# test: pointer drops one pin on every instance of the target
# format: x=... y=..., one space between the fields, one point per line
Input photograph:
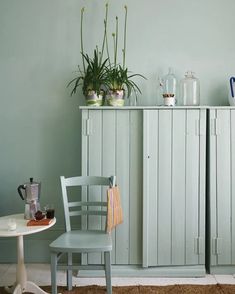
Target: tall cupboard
x=158 y=156
x=221 y=190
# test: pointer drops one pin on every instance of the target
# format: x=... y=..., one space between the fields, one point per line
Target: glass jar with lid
x=190 y=89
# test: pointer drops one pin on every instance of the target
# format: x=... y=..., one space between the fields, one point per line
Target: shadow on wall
x=218 y=94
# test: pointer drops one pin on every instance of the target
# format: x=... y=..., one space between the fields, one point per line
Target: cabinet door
x=222 y=186
x=112 y=145
x=174 y=187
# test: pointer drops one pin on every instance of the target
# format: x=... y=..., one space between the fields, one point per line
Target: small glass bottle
x=133 y=99
x=190 y=89
x=169 y=84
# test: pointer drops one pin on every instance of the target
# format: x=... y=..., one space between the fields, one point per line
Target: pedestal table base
x=22 y=285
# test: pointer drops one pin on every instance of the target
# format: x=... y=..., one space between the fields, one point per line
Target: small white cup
x=11 y=224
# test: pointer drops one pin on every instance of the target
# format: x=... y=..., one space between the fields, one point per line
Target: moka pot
x=30 y=192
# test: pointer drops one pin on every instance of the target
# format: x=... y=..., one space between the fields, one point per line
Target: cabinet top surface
x=154 y=107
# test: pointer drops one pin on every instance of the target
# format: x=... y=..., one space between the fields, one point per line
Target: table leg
x=22 y=285
x=21 y=274
x=33 y=288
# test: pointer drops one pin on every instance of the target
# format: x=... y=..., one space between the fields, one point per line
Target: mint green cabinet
x=158 y=156
x=174 y=164
x=221 y=191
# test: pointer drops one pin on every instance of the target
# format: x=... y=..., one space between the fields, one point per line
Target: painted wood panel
x=122 y=172
x=178 y=186
x=95 y=168
x=150 y=176
x=223 y=187
x=232 y=146
x=192 y=183
x=222 y=190
x=164 y=187
x=136 y=187
x=174 y=187
x=85 y=117
x=202 y=186
x=109 y=157
x=212 y=192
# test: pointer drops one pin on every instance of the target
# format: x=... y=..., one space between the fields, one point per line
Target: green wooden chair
x=81 y=241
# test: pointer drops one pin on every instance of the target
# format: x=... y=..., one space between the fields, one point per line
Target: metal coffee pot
x=30 y=192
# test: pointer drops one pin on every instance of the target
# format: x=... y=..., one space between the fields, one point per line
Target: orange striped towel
x=114 y=209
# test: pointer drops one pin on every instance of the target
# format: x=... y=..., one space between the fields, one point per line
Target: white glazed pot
x=115 y=98
x=94 y=99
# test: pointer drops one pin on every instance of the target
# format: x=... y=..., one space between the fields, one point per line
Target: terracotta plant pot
x=94 y=99
x=115 y=98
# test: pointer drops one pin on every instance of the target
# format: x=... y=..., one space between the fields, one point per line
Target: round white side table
x=22 y=284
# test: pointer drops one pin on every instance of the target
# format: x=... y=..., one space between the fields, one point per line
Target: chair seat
x=82 y=241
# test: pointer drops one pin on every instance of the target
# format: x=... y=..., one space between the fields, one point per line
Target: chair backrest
x=84 y=207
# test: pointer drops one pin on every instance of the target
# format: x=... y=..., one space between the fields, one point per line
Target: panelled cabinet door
x=112 y=145
x=174 y=187
x=222 y=186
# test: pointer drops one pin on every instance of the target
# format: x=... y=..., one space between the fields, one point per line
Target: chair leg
x=107 y=264
x=53 y=273
x=69 y=272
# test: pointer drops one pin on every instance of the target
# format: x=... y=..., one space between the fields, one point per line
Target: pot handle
x=20 y=192
x=232 y=80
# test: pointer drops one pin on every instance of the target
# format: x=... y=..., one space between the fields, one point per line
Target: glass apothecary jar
x=190 y=89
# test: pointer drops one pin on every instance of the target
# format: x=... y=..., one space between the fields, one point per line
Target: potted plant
x=98 y=76
x=120 y=80
x=92 y=77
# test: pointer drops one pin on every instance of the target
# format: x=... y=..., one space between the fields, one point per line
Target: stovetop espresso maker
x=30 y=192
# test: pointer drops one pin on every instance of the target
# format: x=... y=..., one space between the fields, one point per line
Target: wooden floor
x=40 y=274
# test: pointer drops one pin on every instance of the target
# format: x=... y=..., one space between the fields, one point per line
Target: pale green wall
x=39 y=50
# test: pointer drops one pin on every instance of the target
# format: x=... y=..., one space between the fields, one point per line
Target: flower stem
x=116 y=43
x=81 y=33
x=124 y=47
x=105 y=32
x=107 y=50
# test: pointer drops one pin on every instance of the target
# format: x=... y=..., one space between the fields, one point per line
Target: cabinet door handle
x=87 y=127
x=213 y=245
x=216 y=246
x=215 y=127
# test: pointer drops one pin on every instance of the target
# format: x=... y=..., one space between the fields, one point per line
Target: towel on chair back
x=114 y=209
